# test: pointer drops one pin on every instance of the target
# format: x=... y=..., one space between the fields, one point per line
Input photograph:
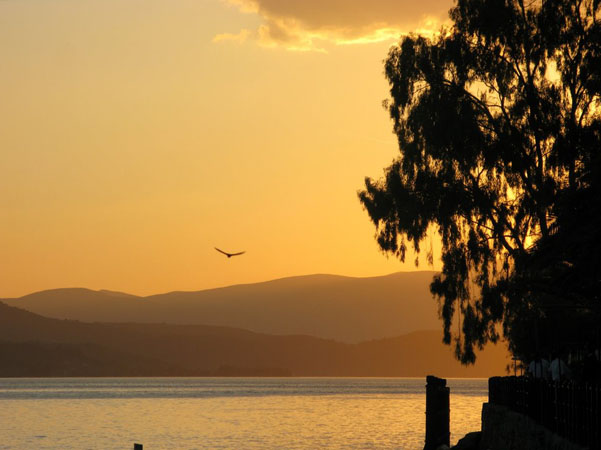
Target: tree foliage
x=499 y=130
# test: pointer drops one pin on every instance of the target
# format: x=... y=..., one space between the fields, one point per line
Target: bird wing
x=236 y=254
x=221 y=251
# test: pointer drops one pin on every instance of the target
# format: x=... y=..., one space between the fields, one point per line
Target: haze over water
x=198 y=413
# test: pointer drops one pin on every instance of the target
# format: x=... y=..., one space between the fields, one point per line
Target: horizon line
x=225 y=286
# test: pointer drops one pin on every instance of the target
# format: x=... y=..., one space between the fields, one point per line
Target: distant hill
x=32 y=345
x=333 y=307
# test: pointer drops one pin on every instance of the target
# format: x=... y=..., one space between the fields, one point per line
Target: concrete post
x=437 y=413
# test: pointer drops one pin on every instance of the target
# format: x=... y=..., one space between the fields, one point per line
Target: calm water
x=229 y=413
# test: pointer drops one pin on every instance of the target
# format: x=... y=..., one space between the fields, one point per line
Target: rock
x=470 y=441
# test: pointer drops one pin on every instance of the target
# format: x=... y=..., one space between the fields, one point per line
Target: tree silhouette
x=499 y=131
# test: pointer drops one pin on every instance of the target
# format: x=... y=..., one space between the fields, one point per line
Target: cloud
x=309 y=24
x=240 y=37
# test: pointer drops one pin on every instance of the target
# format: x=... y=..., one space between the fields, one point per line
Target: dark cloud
x=302 y=24
x=356 y=14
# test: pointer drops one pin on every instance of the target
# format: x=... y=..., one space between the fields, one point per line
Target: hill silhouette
x=32 y=345
x=332 y=307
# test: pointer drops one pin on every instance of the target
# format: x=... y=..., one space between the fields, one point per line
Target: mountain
x=328 y=306
x=32 y=345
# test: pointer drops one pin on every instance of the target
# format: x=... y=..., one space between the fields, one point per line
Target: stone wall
x=503 y=429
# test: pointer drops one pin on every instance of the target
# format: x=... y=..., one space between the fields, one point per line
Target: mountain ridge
x=348 y=309
x=236 y=285
x=33 y=345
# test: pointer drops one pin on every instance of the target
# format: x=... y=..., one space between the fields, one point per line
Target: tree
x=499 y=130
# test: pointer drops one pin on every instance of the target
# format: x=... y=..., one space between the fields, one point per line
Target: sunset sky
x=137 y=135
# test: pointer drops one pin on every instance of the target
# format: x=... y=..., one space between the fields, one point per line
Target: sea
x=226 y=413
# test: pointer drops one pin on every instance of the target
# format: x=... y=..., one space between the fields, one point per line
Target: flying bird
x=229 y=255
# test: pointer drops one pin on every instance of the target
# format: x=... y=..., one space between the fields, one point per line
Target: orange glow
x=132 y=144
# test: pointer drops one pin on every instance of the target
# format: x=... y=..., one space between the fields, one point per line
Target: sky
x=137 y=135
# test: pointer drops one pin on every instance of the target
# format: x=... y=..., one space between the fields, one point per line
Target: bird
x=229 y=255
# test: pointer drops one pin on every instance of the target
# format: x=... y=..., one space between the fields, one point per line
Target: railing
x=572 y=410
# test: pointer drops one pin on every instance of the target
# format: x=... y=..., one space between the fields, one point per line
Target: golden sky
x=136 y=135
